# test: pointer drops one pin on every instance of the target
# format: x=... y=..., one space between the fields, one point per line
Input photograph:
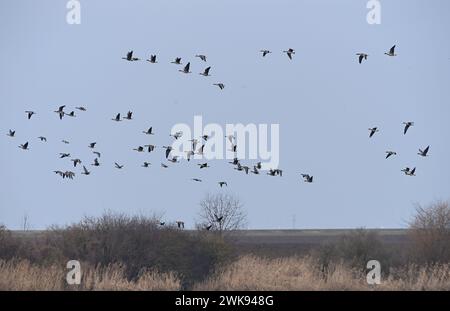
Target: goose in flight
x=163 y=165
x=149 y=131
x=98 y=154
x=150 y=148
x=180 y=224
x=189 y=154
x=205 y=73
x=69 y=174
x=424 y=152
x=24 y=146
x=81 y=108
x=205 y=137
x=117 y=118
x=64 y=155
x=407 y=126
x=390 y=153
x=217 y=218
x=265 y=52
x=222 y=183
x=271 y=172
x=207 y=228
x=177 y=61
x=30 y=114
x=203 y=165
x=130 y=57
x=60 y=111
x=258 y=165
x=245 y=168
x=177 y=134
x=96 y=163
x=220 y=85
x=65 y=142
x=60 y=173
x=92 y=145
x=362 y=56
x=85 y=171
x=139 y=149
x=373 y=130
x=71 y=114
x=307 y=178
x=235 y=161
x=118 y=166
x=75 y=162
x=197 y=179
x=278 y=172
x=162 y=223
x=42 y=138
x=168 y=150
x=152 y=59
x=129 y=116
x=185 y=69
x=146 y=164
x=289 y=53
x=409 y=172
x=11 y=133
x=202 y=57
x=391 y=52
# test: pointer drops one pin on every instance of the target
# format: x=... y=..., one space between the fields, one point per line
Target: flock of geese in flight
x=254 y=169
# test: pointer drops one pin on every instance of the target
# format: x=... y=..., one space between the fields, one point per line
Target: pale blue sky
x=323 y=100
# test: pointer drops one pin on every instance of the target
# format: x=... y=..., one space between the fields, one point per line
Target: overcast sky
x=323 y=101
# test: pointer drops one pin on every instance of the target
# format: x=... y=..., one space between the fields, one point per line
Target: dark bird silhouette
x=391 y=52
x=409 y=172
x=24 y=146
x=390 y=153
x=149 y=131
x=207 y=228
x=81 y=108
x=139 y=149
x=177 y=61
x=223 y=183
x=146 y=164
x=424 y=152
x=307 y=178
x=362 y=56
x=186 y=68
x=129 y=116
x=180 y=224
x=130 y=57
x=218 y=219
x=220 y=85
x=265 y=52
x=98 y=154
x=117 y=118
x=205 y=73
x=373 y=130
x=203 y=165
x=96 y=163
x=60 y=111
x=75 y=162
x=202 y=57
x=30 y=114
x=64 y=155
x=289 y=53
x=197 y=179
x=42 y=138
x=65 y=142
x=163 y=165
x=168 y=150
x=150 y=148
x=407 y=126
x=71 y=114
x=85 y=171
x=11 y=133
x=92 y=145
x=152 y=59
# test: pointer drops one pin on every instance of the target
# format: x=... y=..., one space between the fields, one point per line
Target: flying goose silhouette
x=174 y=159
x=149 y=131
x=30 y=114
x=129 y=116
x=92 y=145
x=150 y=147
x=65 y=142
x=202 y=57
x=81 y=108
x=152 y=59
x=222 y=183
x=24 y=146
x=146 y=164
x=217 y=218
x=64 y=155
x=130 y=57
x=168 y=150
x=180 y=224
x=96 y=163
x=117 y=118
x=207 y=228
x=185 y=69
x=407 y=126
x=409 y=172
x=373 y=130
x=424 y=152
x=139 y=149
x=164 y=166
x=177 y=134
x=391 y=52
x=177 y=61
x=197 y=179
x=307 y=178
x=118 y=166
x=11 y=133
x=265 y=52
x=220 y=85
x=42 y=138
x=205 y=73
x=60 y=111
x=289 y=53
x=203 y=165
x=71 y=114
x=97 y=153
x=75 y=162
x=255 y=170
x=362 y=56
x=390 y=153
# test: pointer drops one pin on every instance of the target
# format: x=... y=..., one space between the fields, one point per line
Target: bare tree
x=430 y=232
x=222 y=212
